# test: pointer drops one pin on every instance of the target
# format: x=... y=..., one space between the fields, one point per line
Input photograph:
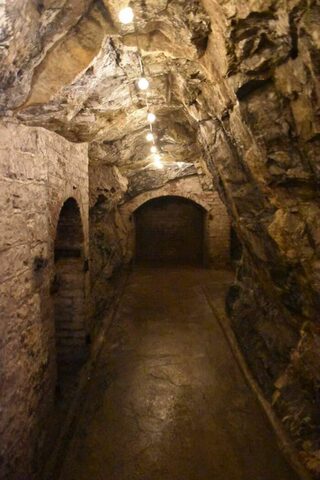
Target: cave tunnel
x=159 y=240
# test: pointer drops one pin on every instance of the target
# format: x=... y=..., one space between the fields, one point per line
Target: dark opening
x=170 y=230
x=69 y=293
x=235 y=246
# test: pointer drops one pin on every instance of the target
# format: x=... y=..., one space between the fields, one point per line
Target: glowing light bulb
x=153 y=149
x=157 y=162
x=150 y=137
x=151 y=117
x=126 y=15
x=143 y=83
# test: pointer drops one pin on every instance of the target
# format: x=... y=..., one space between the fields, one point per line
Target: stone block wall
x=39 y=171
x=169 y=230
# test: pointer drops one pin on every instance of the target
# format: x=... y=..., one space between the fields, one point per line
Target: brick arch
x=70 y=211
x=138 y=201
x=68 y=197
x=217 y=223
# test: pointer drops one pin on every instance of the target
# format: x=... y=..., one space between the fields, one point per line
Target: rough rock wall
x=262 y=147
x=107 y=188
x=39 y=171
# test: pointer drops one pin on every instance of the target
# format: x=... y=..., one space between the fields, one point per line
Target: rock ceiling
x=75 y=67
x=69 y=65
x=234 y=83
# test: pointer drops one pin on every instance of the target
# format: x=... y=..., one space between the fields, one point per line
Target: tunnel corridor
x=159 y=239
x=167 y=400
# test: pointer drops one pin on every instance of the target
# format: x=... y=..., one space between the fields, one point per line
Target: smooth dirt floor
x=167 y=400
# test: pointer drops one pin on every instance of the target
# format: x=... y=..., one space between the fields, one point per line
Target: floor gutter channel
x=284 y=442
x=53 y=467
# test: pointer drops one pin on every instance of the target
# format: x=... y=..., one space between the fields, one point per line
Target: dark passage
x=170 y=230
x=68 y=292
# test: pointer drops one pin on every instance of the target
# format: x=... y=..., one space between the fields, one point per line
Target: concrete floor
x=167 y=400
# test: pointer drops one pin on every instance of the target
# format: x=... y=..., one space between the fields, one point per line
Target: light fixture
x=126 y=15
x=153 y=149
x=143 y=83
x=151 y=117
x=150 y=137
x=157 y=162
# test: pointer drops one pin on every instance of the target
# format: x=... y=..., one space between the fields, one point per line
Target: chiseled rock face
x=152 y=178
x=235 y=85
x=263 y=151
x=106 y=190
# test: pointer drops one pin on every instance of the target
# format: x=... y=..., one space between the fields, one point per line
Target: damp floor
x=167 y=400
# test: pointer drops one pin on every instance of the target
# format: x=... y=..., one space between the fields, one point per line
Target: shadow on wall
x=170 y=230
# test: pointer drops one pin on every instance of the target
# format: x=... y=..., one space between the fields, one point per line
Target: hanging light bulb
x=153 y=149
x=150 y=137
x=151 y=117
x=143 y=83
x=126 y=15
x=157 y=162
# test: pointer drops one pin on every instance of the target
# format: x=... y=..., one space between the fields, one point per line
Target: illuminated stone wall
x=39 y=171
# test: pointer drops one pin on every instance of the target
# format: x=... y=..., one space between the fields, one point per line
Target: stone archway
x=170 y=229
x=69 y=292
x=217 y=223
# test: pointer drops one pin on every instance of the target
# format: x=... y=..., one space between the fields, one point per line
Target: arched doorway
x=170 y=230
x=69 y=292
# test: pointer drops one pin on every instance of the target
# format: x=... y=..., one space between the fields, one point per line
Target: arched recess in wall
x=170 y=230
x=69 y=292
